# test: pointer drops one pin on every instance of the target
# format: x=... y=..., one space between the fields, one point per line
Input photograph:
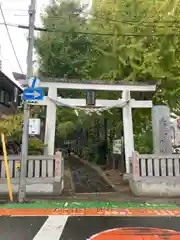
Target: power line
x=9 y=24
x=104 y=18
x=41 y=29
x=22 y=26
x=10 y=39
x=15 y=10
x=119 y=21
x=113 y=20
x=135 y=23
x=129 y=22
x=98 y=34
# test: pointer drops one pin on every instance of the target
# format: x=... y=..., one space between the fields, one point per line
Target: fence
x=152 y=165
x=155 y=175
x=40 y=169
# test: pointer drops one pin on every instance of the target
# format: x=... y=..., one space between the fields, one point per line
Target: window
x=2 y=96
x=15 y=94
x=6 y=98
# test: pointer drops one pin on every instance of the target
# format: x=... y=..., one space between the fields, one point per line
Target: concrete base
x=127 y=176
x=34 y=186
x=141 y=188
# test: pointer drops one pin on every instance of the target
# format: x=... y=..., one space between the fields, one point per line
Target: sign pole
x=24 y=150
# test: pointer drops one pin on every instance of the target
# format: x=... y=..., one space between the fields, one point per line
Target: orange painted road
x=88 y=212
x=64 y=227
x=138 y=233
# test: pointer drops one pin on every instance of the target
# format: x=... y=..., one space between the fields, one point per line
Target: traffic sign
x=34 y=82
x=33 y=94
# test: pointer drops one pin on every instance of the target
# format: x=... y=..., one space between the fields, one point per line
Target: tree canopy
x=125 y=40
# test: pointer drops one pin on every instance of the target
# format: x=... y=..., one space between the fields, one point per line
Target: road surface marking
x=52 y=228
x=136 y=233
x=87 y=212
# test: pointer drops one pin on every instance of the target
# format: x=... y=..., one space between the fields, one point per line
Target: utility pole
x=24 y=149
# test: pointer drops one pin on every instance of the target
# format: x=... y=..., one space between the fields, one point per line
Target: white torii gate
x=52 y=101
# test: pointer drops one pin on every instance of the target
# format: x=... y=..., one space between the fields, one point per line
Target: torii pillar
x=128 y=129
x=50 y=128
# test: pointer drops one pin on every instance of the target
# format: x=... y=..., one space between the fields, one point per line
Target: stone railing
x=43 y=173
x=155 y=175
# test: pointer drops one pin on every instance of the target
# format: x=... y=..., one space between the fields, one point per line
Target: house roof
x=19 y=76
x=9 y=81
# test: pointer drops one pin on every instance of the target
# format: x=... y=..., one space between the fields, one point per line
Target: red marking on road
x=138 y=233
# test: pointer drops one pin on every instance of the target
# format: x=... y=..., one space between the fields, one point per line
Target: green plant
x=36 y=146
x=11 y=125
x=89 y=152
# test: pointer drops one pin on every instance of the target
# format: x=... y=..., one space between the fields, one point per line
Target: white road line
x=52 y=228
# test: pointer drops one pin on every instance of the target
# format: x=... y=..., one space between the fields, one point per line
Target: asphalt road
x=20 y=228
x=86 y=179
x=87 y=228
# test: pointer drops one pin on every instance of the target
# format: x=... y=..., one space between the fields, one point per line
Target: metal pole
x=24 y=150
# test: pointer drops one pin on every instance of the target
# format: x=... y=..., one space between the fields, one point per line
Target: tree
x=136 y=54
x=66 y=50
x=11 y=125
x=119 y=40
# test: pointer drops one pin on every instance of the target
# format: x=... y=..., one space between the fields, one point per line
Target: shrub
x=36 y=146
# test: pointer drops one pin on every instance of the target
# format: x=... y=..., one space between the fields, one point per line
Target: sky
x=16 y=12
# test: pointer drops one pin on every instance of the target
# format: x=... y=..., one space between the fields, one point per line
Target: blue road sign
x=33 y=83
x=33 y=93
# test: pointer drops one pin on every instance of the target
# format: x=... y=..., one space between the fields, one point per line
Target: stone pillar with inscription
x=162 y=143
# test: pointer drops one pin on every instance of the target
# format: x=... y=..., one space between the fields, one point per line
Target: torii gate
x=127 y=103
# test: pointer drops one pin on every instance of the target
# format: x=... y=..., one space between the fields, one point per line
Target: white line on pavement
x=52 y=228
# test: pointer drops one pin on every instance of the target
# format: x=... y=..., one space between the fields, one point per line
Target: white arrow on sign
x=30 y=81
